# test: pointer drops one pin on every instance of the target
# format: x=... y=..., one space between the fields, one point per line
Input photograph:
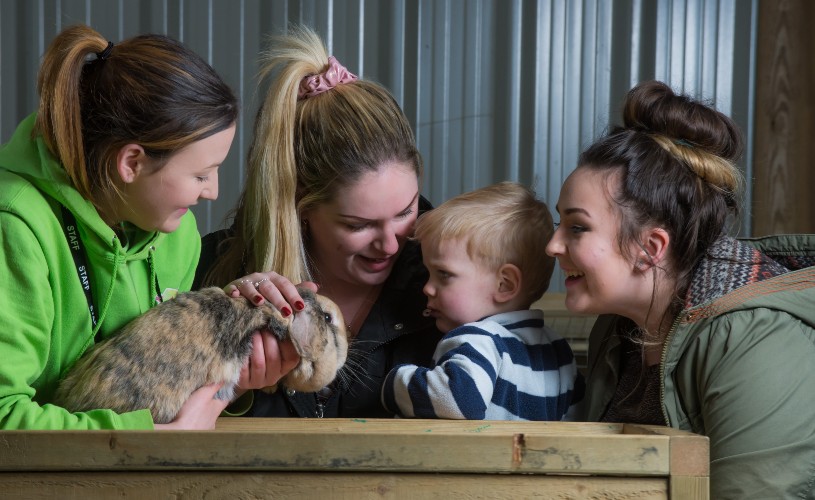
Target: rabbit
x=201 y=337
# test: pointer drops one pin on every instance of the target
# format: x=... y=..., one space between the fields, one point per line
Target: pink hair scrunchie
x=317 y=84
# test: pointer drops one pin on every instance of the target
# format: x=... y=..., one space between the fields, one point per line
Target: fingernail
x=299 y=305
x=259 y=299
x=285 y=312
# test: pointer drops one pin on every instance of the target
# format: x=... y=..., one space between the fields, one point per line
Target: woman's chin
x=578 y=303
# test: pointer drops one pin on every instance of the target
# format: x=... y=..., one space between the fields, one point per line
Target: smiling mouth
x=573 y=274
x=376 y=259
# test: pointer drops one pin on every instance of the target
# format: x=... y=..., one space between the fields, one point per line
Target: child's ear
x=130 y=161
x=653 y=250
x=509 y=283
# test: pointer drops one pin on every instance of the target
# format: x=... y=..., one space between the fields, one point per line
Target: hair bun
x=653 y=107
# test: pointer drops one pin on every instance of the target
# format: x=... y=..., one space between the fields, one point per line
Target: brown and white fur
x=157 y=360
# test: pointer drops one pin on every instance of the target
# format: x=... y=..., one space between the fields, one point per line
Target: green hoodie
x=46 y=324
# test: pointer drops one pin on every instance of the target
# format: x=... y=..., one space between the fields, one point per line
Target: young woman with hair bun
x=697 y=330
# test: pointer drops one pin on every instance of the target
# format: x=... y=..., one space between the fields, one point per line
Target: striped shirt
x=505 y=367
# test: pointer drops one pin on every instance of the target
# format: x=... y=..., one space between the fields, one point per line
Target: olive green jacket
x=738 y=366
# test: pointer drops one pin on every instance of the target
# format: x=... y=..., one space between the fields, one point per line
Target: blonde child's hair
x=500 y=224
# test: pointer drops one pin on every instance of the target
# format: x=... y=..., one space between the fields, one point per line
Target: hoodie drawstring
x=117 y=259
x=155 y=290
x=103 y=310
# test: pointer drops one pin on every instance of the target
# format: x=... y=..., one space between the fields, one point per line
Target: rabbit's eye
x=327 y=317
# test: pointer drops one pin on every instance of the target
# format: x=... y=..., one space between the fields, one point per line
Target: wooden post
x=785 y=119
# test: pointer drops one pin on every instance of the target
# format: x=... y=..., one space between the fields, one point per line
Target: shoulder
x=763 y=347
x=768 y=328
x=794 y=251
x=785 y=298
x=32 y=211
x=18 y=195
x=212 y=241
x=512 y=323
x=212 y=247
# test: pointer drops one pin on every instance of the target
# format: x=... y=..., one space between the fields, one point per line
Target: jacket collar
x=729 y=264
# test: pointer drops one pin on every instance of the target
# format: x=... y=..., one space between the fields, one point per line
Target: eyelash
x=443 y=276
x=575 y=228
x=202 y=179
x=357 y=228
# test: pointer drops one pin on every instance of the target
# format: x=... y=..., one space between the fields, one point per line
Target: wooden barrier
x=359 y=458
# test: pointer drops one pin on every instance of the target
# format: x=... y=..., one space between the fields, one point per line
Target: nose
x=555 y=246
x=210 y=191
x=428 y=289
x=387 y=242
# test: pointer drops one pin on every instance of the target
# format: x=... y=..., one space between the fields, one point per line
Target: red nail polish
x=285 y=312
x=259 y=299
x=299 y=305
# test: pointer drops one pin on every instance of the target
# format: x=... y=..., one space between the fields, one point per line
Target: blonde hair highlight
x=713 y=169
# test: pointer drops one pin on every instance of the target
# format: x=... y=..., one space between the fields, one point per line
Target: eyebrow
x=569 y=211
x=412 y=201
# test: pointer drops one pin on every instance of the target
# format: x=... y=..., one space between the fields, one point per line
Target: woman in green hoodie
x=698 y=330
x=95 y=228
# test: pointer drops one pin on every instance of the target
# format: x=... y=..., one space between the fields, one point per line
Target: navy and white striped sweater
x=505 y=367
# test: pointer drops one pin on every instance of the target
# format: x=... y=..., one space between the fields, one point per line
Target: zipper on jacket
x=662 y=367
x=322 y=396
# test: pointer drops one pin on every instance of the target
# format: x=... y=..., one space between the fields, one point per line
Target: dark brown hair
x=675 y=157
x=149 y=90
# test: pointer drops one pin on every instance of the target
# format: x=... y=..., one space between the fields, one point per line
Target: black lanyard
x=81 y=261
x=80 y=258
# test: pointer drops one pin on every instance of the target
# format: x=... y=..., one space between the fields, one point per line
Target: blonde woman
x=332 y=194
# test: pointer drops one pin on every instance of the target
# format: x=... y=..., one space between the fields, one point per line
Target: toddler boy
x=485 y=251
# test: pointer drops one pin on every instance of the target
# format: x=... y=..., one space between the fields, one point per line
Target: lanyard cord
x=81 y=262
x=80 y=259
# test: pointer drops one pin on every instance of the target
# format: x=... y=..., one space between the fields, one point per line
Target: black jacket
x=394 y=332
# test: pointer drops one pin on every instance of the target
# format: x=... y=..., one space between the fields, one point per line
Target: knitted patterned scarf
x=728 y=265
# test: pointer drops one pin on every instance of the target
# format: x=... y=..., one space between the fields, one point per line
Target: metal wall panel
x=495 y=89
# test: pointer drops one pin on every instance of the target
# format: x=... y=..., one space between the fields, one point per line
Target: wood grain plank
x=784 y=121
x=352 y=486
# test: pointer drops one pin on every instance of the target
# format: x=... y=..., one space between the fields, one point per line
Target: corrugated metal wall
x=495 y=89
